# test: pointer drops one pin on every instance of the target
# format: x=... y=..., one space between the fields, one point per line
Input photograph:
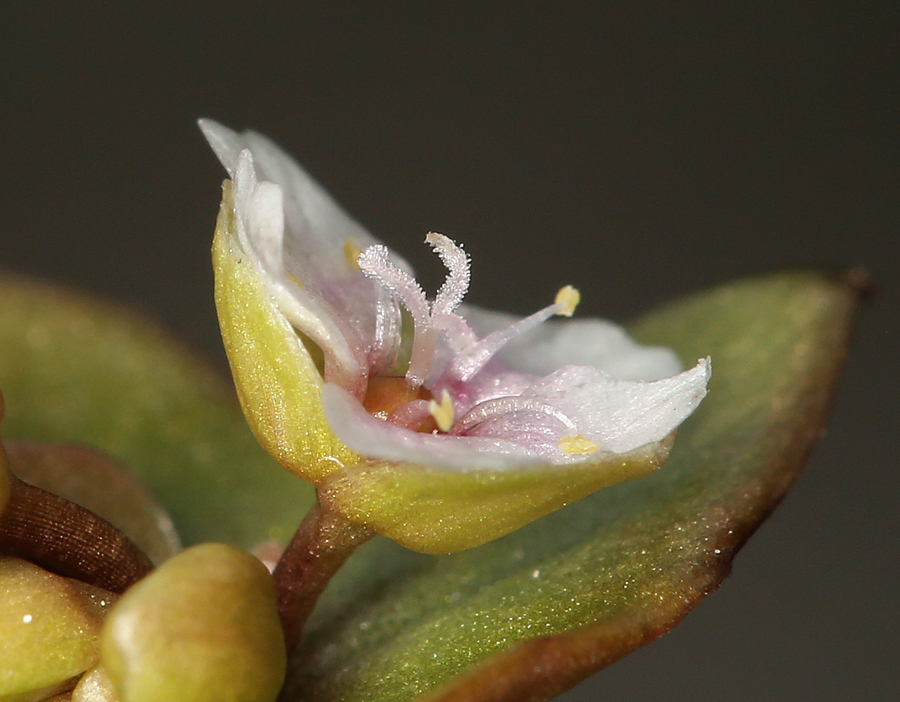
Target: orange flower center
x=384 y=394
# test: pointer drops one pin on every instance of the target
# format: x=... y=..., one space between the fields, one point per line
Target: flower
x=433 y=422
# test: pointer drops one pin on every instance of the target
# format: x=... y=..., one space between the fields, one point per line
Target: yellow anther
x=443 y=412
x=351 y=253
x=568 y=297
x=577 y=445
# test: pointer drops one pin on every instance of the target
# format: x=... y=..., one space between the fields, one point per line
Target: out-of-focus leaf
x=76 y=370
x=101 y=485
x=526 y=617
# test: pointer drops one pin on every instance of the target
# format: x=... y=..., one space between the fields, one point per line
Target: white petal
x=577 y=342
x=619 y=415
x=317 y=232
x=376 y=438
x=265 y=217
x=622 y=415
x=310 y=212
x=225 y=143
x=259 y=220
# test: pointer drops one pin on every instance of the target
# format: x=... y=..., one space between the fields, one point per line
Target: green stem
x=323 y=542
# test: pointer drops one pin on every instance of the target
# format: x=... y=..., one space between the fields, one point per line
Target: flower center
x=386 y=395
x=404 y=401
x=429 y=318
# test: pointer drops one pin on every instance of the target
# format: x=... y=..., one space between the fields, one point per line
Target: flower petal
x=578 y=342
x=622 y=415
x=618 y=415
x=309 y=209
x=313 y=273
x=377 y=438
x=259 y=230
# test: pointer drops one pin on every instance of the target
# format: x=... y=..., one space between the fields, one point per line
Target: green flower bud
x=49 y=630
x=202 y=627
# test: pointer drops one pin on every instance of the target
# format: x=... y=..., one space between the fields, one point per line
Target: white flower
x=436 y=385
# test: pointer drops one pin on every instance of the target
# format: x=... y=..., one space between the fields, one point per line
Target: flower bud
x=202 y=627
x=49 y=629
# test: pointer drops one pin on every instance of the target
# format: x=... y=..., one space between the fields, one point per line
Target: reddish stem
x=323 y=542
x=68 y=540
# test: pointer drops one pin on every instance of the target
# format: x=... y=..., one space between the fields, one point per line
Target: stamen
x=567 y=298
x=577 y=445
x=467 y=364
x=506 y=405
x=386 y=341
x=351 y=253
x=443 y=413
x=456 y=283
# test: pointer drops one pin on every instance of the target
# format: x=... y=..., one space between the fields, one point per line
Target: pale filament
x=411 y=414
x=507 y=405
x=386 y=342
x=465 y=365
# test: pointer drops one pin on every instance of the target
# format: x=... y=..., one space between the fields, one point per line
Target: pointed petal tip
x=224 y=142
x=706 y=365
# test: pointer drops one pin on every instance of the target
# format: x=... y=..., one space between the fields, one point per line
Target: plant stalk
x=322 y=543
x=66 y=539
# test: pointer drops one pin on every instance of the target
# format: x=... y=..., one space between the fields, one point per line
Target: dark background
x=637 y=151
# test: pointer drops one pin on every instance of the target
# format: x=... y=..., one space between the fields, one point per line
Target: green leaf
x=529 y=615
x=76 y=370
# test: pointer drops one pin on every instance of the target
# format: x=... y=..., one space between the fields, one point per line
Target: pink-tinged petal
x=259 y=229
x=577 y=342
x=619 y=415
x=315 y=264
x=376 y=438
x=515 y=432
x=318 y=226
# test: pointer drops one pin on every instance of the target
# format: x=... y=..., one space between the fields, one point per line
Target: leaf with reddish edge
x=530 y=615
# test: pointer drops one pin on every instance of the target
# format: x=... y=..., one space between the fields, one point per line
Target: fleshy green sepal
x=278 y=383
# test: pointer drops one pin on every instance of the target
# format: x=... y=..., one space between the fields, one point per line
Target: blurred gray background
x=638 y=151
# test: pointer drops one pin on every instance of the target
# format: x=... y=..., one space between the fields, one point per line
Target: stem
x=68 y=540
x=323 y=542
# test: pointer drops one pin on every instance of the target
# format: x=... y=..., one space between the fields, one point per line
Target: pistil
x=412 y=407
